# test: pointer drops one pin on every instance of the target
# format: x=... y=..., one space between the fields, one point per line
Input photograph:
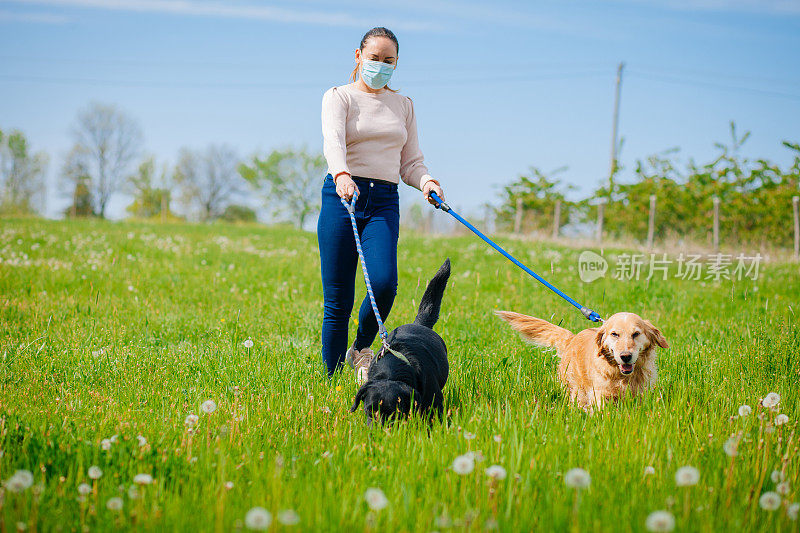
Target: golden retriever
x=598 y=364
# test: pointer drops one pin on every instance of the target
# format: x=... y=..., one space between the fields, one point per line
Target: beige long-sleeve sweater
x=372 y=135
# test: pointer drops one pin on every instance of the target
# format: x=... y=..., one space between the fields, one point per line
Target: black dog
x=395 y=385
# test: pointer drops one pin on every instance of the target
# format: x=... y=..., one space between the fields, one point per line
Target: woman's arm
x=334 y=141
x=412 y=167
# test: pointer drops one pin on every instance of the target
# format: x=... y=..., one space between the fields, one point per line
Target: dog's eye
x=635 y=334
x=614 y=334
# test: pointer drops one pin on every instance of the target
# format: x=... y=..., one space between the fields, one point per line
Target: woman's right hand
x=346 y=187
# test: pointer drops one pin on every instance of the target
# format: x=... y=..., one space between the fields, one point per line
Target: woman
x=370 y=143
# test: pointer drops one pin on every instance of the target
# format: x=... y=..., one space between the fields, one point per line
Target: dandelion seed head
x=105 y=444
x=84 y=489
x=191 y=420
x=21 y=480
x=777 y=476
x=288 y=517
x=114 y=504
x=781 y=419
x=376 y=499
x=95 y=472
x=464 y=464
x=745 y=410
x=228 y=485
x=468 y=435
x=133 y=492
x=496 y=472
x=142 y=479
x=792 y=510
x=731 y=447
x=248 y=343
x=577 y=478
x=660 y=521
x=257 y=519
x=498 y=439
x=142 y=441
x=649 y=471
x=782 y=488
x=771 y=400
x=769 y=501
x=208 y=407
x=686 y=476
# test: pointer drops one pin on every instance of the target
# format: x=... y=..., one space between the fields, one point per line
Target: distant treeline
x=755 y=198
x=205 y=184
x=215 y=183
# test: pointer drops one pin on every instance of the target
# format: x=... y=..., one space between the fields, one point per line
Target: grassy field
x=112 y=334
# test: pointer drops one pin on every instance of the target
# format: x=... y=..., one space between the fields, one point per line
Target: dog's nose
x=626 y=357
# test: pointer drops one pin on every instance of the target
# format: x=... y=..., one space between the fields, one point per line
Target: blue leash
x=588 y=313
x=351 y=210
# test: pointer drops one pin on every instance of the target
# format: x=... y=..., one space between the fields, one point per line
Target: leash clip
x=440 y=204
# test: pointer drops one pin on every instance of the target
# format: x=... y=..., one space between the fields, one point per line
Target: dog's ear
x=359 y=396
x=598 y=339
x=654 y=335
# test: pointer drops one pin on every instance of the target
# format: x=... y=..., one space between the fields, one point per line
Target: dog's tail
x=539 y=332
x=431 y=302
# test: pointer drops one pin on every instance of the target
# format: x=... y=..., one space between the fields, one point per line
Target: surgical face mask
x=376 y=74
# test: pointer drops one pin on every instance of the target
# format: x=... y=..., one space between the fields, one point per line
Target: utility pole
x=614 y=128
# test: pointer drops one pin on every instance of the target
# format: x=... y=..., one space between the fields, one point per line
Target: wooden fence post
x=716 y=223
x=518 y=217
x=651 y=224
x=600 y=209
x=796 y=209
x=556 y=219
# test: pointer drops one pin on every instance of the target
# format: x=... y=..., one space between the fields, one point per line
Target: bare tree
x=107 y=141
x=208 y=179
x=22 y=183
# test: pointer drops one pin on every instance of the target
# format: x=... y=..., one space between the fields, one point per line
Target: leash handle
x=439 y=202
x=588 y=313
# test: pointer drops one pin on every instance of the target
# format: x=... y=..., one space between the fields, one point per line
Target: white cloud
x=772 y=7
x=235 y=10
x=41 y=18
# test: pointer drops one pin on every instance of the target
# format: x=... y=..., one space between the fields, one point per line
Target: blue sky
x=497 y=86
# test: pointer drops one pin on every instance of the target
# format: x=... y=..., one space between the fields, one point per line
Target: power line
x=262 y=85
x=712 y=85
x=716 y=74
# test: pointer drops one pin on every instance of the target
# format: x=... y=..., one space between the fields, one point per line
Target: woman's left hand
x=432 y=186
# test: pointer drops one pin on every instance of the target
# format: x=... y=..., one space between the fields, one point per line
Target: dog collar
x=397 y=354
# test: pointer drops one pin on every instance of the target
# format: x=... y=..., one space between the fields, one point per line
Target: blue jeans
x=378 y=220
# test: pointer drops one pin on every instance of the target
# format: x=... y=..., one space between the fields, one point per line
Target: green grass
x=126 y=328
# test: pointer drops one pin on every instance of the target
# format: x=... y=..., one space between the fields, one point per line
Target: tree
x=539 y=193
x=208 y=179
x=151 y=193
x=76 y=176
x=106 y=143
x=22 y=182
x=287 y=180
x=238 y=213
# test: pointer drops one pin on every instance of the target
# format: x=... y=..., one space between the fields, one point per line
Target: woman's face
x=378 y=49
